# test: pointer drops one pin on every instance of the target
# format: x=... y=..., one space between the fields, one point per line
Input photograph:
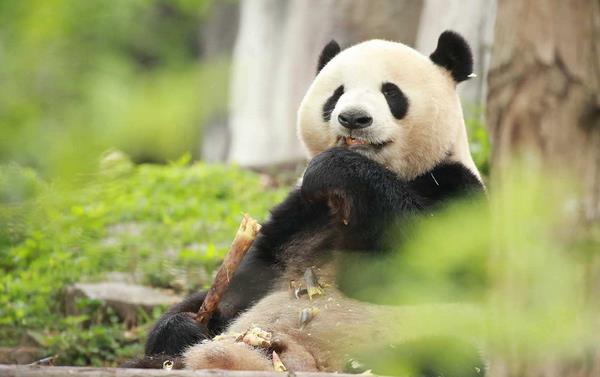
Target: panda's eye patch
x=397 y=101
x=331 y=102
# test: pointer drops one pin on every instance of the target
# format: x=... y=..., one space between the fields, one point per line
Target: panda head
x=389 y=102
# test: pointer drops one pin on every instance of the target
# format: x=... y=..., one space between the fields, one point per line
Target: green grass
x=167 y=226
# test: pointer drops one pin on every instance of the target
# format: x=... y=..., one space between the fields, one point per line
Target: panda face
x=364 y=117
x=388 y=102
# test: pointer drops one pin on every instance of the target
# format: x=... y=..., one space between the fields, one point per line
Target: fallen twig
x=46 y=361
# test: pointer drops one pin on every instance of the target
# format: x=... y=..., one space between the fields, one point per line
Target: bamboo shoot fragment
x=277 y=363
x=244 y=238
x=306 y=315
x=256 y=337
x=313 y=287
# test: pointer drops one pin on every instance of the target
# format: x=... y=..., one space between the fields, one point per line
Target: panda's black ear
x=454 y=54
x=330 y=50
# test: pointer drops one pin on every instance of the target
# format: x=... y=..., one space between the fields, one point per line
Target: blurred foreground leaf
x=520 y=259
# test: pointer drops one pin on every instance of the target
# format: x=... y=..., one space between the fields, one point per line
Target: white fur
x=432 y=131
x=341 y=327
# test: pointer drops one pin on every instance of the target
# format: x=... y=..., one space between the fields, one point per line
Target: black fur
x=346 y=199
x=366 y=198
x=177 y=329
x=264 y=263
x=445 y=182
x=454 y=54
x=397 y=101
x=331 y=102
x=330 y=50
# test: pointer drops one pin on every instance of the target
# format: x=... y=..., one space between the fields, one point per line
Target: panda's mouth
x=358 y=143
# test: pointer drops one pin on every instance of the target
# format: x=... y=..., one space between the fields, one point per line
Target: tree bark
x=544 y=105
x=544 y=87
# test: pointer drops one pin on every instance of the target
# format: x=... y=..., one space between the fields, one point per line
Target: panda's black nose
x=354 y=119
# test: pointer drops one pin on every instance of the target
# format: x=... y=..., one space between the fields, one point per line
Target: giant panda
x=384 y=130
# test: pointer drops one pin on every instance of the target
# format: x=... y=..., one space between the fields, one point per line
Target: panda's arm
x=176 y=329
x=365 y=197
x=368 y=199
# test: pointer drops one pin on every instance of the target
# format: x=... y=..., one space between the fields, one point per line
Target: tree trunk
x=275 y=59
x=218 y=33
x=544 y=87
x=544 y=104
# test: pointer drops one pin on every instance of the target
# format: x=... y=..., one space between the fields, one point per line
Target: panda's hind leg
x=227 y=354
x=294 y=355
x=230 y=354
x=177 y=329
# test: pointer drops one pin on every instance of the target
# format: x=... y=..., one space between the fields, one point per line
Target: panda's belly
x=340 y=329
x=338 y=325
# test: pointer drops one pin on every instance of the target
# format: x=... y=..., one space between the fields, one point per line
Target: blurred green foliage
x=167 y=226
x=79 y=77
x=512 y=275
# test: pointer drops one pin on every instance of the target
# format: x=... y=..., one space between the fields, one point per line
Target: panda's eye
x=396 y=100
x=390 y=90
x=329 y=105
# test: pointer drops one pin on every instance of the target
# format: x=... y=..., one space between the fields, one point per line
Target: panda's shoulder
x=447 y=180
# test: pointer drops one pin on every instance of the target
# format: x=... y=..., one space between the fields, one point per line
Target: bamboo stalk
x=245 y=236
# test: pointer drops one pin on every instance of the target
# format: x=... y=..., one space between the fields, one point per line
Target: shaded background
x=221 y=80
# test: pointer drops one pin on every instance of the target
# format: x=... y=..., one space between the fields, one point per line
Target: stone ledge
x=38 y=371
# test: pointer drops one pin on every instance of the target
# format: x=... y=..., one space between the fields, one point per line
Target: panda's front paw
x=327 y=174
x=173 y=333
x=333 y=176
